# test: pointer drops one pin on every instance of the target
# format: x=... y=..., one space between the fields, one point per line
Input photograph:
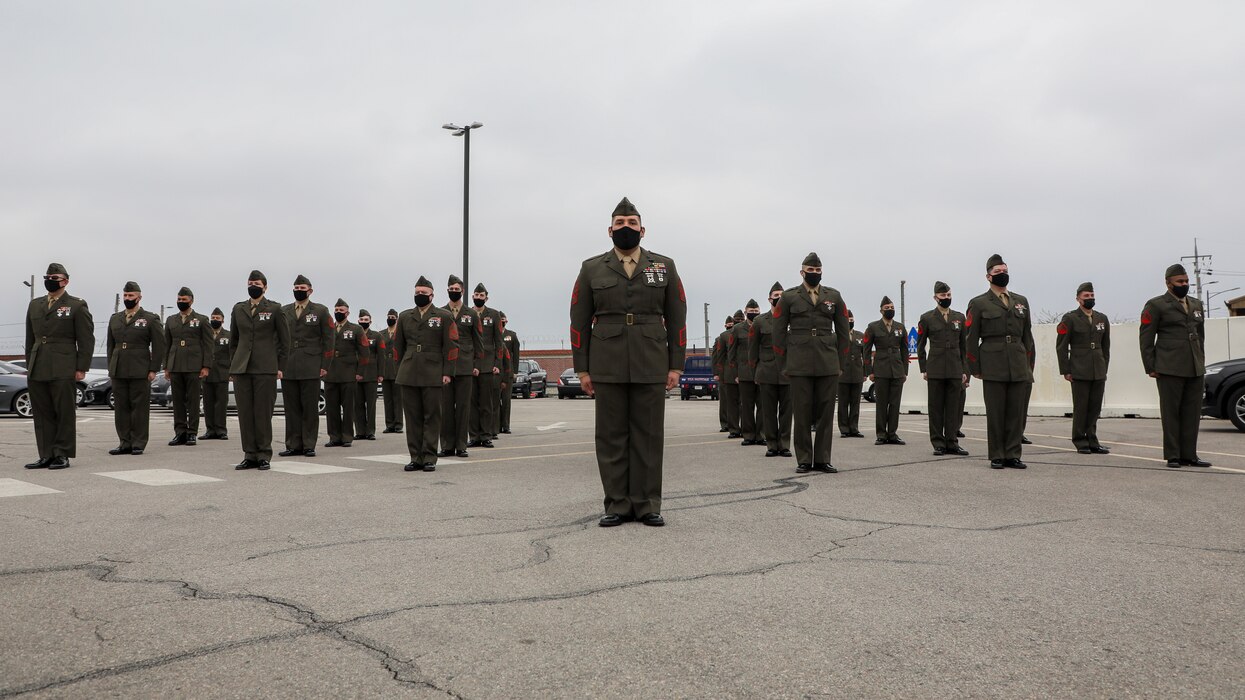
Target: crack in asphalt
x=933 y=526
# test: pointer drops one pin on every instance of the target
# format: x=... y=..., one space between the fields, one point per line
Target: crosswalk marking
x=13 y=487
x=307 y=468
x=158 y=477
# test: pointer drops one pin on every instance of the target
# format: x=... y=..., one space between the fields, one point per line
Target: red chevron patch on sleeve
x=683 y=337
x=920 y=329
x=779 y=351
x=1062 y=329
x=1146 y=319
x=453 y=355
x=778 y=310
x=968 y=319
x=453 y=331
x=574 y=337
x=682 y=296
x=575 y=294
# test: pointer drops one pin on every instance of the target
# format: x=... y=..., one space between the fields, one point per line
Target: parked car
x=697 y=379
x=19 y=363
x=166 y=395
x=14 y=393
x=530 y=380
x=1225 y=391
x=98 y=392
x=160 y=391
x=569 y=386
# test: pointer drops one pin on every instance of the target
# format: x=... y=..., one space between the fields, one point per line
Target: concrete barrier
x=1130 y=392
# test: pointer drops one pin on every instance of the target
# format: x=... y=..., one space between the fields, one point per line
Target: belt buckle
x=419 y=348
x=630 y=319
x=124 y=346
x=1007 y=339
x=183 y=343
x=1093 y=346
x=812 y=331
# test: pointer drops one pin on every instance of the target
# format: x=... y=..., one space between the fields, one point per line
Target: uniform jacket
x=1173 y=342
x=370 y=369
x=768 y=366
x=886 y=351
x=737 y=359
x=628 y=330
x=854 y=367
x=947 y=342
x=470 y=337
x=719 y=354
x=1083 y=345
x=351 y=349
x=814 y=337
x=135 y=349
x=60 y=339
x=427 y=346
x=189 y=342
x=222 y=355
x=388 y=354
x=489 y=348
x=1000 y=339
x=260 y=343
x=511 y=341
x=311 y=341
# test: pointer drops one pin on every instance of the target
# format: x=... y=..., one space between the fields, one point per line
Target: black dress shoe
x=652 y=520
x=473 y=443
x=39 y=464
x=612 y=520
x=207 y=436
x=192 y=440
x=1025 y=441
x=880 y=441
x=309 y=453
x=289 y=453
x=1084 y=451
x=446 y=453
x=136 y=451
x=747 y=443
x=486 y=443
x=771 y=453
x=263 y=465
x=397 y=430
x=803 y=468
x=856 y=434
x=460 y=453
x=388 y=430
x=360 y=436
x=895 y=441
x=784 y=453
x=179 y=440
x=58 y=463
x=959 y=433
x=957 y=451
x=724 y=430
x=411 y=466
x=346 y=444
x=1014 y=464
x=1195 y=462
x=430 y=467
x=222 y=436
x=996 y=464
x=120 y=451
x=734 y=435
x=369 y=436
x=246 y=464
x=938 y=452
x=1173 y=464
x=825 y=467
x=505 y=431
x=333 y=443
x=1100 y=450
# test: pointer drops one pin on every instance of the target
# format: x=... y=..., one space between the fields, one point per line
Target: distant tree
x=1045 y=316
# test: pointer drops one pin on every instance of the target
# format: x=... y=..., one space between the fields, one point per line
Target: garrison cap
x=56 y=269
x=302 y=279
x=885 y=301
x=625 y=208
x=503 y=316
x=752 y=304
x=454 y=280
x=217 y=312
x=480 y=288
x=341 y=302
x=185 y=292
x=730 y=319
x=995 y=259
x=739 y=315
x=423 y=282
x=257 y=275
x=1085 y=287
x=131 y=286
x=392 y=312
x=364 y=312
x=776 y=288
x=1172 y=271
x=812 y=260
x=940 y=287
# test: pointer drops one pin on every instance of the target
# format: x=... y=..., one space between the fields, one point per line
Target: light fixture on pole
x=465 y=132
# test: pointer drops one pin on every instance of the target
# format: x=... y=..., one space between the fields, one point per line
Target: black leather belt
x=629 y=319
x=811 y=331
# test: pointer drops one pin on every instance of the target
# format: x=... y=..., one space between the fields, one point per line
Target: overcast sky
x=188 y=142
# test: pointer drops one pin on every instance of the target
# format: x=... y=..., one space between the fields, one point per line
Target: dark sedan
x=14 y=395
x=569 y=386
x=1225 y=391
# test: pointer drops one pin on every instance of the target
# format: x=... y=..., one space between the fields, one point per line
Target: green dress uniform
x=60 y=338
x=628 y=332
x=188 y=337
x=259 y=338
x=365 y=392
x=1001 y=350
x=728 y=390
x=941 y=345
x=885 y=352
x=389 y=374
x=718 y=358
x=810 y=329
x=135 y=348
x=745 y=375
x=1083 y=346
x=312 y=339
x=456 y=411
x=216 y=386
x=427 y=347
x=485 y=395
x=350 y=350
x=773 y=385
x=851 y=386
x=1173 y=346
x=510 y=340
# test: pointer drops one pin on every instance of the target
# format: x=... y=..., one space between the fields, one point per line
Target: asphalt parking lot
x=904 y=575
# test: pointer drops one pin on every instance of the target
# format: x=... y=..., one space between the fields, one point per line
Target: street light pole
x=706 y=328
x=465 y=132
x=31 y=284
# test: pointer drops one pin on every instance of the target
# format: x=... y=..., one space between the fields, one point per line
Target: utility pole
x=706 y=328
x=1197 y=272
x=116 y=303
x=903 y=318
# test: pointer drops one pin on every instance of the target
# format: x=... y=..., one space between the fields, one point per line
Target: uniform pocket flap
x=607 y=331
x=604 y=282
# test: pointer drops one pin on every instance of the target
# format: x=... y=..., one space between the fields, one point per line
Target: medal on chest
x=655 y=272
x=347 y=335
x=194 y=323
x=1020 y=309
x=263 y=316
x=140 y=323
x=62 y=312
x=435 y=322
x=311 y=318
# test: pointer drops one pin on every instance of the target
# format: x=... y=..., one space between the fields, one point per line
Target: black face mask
x=455 y=296
x=1000 y=280
x=216 y=323
x=478 y=302
x=183 y=306
x=752 y=315
x=365 y=326
x=773 y=302
x=851 y=324
x=130 y=303
x=730 y=326
x=422 y=300
x=1180 y=290
x=392 y=320
x=51 y=285
x=812 y=279
x=255 y=292
x=944 y=303
x=301 y=294
x=625 y=238
x=339 y=316
x=888 y=314
x=1089 y=303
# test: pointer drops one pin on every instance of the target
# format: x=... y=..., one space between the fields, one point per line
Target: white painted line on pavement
x=13 y=487
x=158 y=477
x=308 y=468
x=403 y=459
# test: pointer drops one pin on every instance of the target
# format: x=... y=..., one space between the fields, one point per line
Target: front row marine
x=885 y=353
x=188 y=340
x=1083 y=347
x=259 y=337
x=811 y=331
x=1173 y=351
x=944 y=368
x=426 y=345
x=311 y=353
x=216 y=383
x=135 y=352
x=350 y=349
x=628 y=341
x=852 y=383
